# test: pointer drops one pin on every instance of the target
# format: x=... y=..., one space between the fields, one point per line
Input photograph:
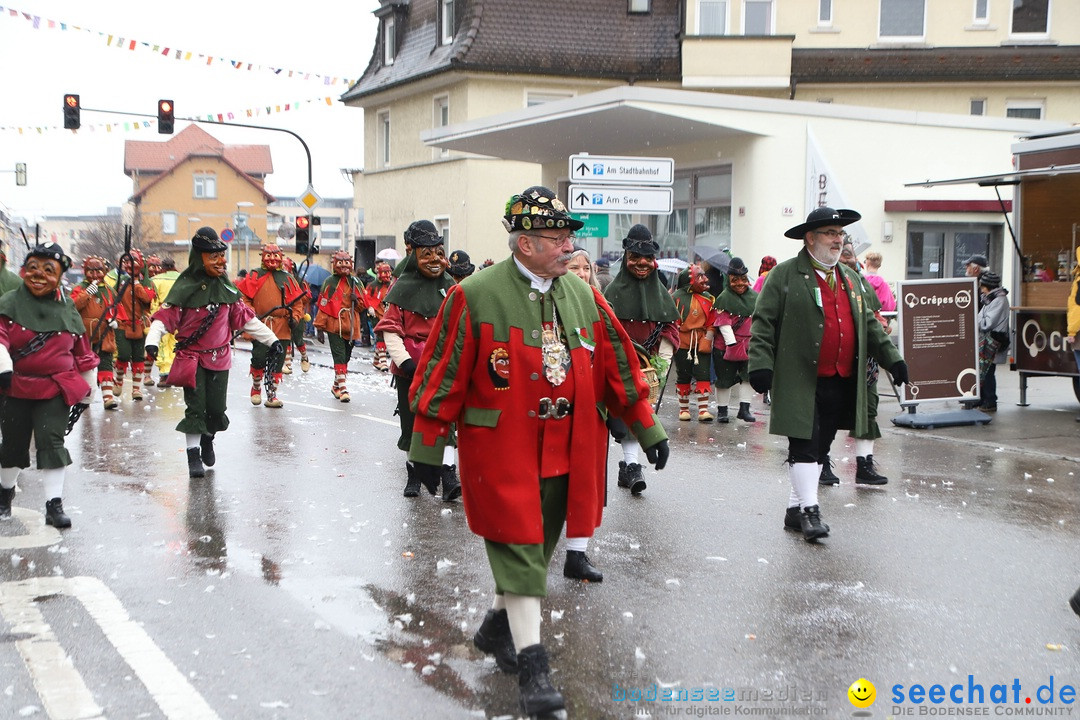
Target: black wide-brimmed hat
x=639 y=240
x=206 y=240
x=537 y=208
x=51 y=250
x=823 y=217
x=737 y=267
x=423 y=233
x=460 y=264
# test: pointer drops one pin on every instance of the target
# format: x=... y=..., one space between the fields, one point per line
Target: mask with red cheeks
x=94 y=270
x=343 y=264
x=384 y=273
x=699 y=281
x=214 y=263
x=271 y=257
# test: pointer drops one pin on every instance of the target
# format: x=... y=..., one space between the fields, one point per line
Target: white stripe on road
x=59 y=684
x=384 y=421
x=315 y=407
x=39 y=534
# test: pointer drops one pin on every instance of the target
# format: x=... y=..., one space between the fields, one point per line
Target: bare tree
x=105 y=237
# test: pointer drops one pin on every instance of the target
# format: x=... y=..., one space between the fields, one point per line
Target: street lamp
x=241 y=223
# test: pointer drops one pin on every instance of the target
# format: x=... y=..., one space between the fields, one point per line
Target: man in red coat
x=521 y=356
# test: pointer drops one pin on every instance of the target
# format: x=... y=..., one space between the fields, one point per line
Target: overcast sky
x=82 y=173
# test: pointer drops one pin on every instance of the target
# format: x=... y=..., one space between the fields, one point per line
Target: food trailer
x=1045 y=183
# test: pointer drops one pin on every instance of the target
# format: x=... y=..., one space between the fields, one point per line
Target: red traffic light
x=71 y=112
x=165 y=117
x=302 y=222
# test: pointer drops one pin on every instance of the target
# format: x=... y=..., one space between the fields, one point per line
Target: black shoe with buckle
x=206 y=445
x=54 y=514
x=494 y=638
x=579 y=567
x=828 y=477
x=630 y=476
x=536 y=693
x=812 y=527
x=867 y=473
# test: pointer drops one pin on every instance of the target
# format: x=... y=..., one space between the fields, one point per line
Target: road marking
x=384 y=421
x=316 y=407
x=60 y=686
x=39 y=535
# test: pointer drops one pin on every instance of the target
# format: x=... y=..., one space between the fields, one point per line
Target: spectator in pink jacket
x=872 y=263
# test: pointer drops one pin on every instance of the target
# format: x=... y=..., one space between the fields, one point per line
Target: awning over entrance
x=1007 y=178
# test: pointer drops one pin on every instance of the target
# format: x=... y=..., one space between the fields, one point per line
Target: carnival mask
x=214 y=263
x=431 y=261
x=41 y=276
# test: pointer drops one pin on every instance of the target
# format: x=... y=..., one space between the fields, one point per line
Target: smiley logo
x=862 y=693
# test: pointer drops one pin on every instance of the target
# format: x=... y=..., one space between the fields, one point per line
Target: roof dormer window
x=389 y=27
x=446 y=22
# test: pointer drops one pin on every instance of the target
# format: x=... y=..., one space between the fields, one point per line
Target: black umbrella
x=715 y=257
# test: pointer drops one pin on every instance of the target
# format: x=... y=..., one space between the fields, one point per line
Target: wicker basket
x=651 y=376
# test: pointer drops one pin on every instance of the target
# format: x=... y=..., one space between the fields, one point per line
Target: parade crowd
x=544 y=351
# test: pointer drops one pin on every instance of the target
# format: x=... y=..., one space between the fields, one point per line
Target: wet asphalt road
x=294 y=581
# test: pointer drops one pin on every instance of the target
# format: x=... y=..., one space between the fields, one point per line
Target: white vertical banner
x=823 y=189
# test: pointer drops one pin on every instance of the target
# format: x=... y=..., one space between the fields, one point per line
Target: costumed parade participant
x=340 y=306
x=297 y=337
x=153 y=269
x=375 y=300
x=46 y=371
x=734 y=309
x=96 y=303
x=693 y=358
x=8 y=280
x=203 y=310
x=646 y=310
x=163 y=283
x=460 y=265
x=800 y=346
x=411 y=306
x=522 y=357
x=278 y=300
x=133 y=317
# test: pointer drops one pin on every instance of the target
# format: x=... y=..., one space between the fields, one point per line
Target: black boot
x=812 y=529
x=412 y=485
x=537 y=694
x=194 y=463
x=578 y=567
x=451 y=486
x=828 y=477
x=744 y=413
x=6 y=496
x=721 y=414
x=793 y=519
x=494 y=638
x=867 y=474
x=1074 y=602
x=630 y=476
x=206 y=444
x=54 y=514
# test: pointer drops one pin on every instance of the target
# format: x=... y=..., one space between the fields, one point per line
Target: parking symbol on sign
x=598 y=198
x=598 y=169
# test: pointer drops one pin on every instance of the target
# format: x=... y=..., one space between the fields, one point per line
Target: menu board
x=939 y=339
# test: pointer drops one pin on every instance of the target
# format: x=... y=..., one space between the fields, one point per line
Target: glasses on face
x=556 y=239
x=833 y=234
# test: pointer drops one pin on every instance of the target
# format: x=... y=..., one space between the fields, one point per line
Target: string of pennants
x=132 y=125
x=114 y=40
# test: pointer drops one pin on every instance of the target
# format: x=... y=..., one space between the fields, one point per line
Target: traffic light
x=20 y=173
x=71 y=112
x=316 y=222
x=165 y=117
x=303 y=234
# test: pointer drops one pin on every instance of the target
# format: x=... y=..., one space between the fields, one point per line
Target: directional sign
x=621 y=170
x=620 y=199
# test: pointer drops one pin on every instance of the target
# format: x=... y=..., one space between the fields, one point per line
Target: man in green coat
x=811 y=340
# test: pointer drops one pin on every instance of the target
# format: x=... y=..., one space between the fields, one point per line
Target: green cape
x=741 y=305
x=45 y=314
x=194 y=288
x=417 y=293
x=645 y=300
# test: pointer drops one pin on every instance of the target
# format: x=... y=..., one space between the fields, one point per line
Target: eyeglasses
x=830 y=233
x=556 y=239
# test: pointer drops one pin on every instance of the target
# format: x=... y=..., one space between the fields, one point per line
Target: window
x=701 y=212
x=1031 y=17
x=757 y=17
x=902 y=19
x=441 y=118
x=446 y=21
x=978 y=106
x=168 y=223
x=205 y=186
x=982 y=12
x=824 y=13
x=534 y=98
x=639 y=6
x=382 y=138
x=1027 y=109
x=442 y=223
x=389 y=40
x=712 y=17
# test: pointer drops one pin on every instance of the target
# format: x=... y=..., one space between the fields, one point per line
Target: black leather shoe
x=578 y=567
x=744 y=413
x=194 y=463
x=54 y=514
x=451 y=486
x=812 y=529
x=793 y=520
x=412 y=485
x=828 y=477
x=206 y=444
x=721 y=414
x=6 y=496
x=494 y=638
x=536 y=693
x=630 y=476
x=1074 y=602
x=867 y=473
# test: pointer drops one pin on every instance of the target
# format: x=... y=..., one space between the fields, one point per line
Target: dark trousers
x=686 y=370
x=341 y=349
x=131 y=350
x=46 y=421
x=988 y=386
x=834 y=407
x=259 y=353
x=405 y=413
x=205 y=411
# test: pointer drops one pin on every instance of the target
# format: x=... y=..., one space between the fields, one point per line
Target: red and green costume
x=341 y=304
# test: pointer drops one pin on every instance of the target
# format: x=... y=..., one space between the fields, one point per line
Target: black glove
x=151 y=352
x=276 y=347
x=899 y=372
x=617 y=428
x=408 y=368
x=5 y=380
x=761 y=380
x=292 y=322
x=428 y=475
x=658 y=454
